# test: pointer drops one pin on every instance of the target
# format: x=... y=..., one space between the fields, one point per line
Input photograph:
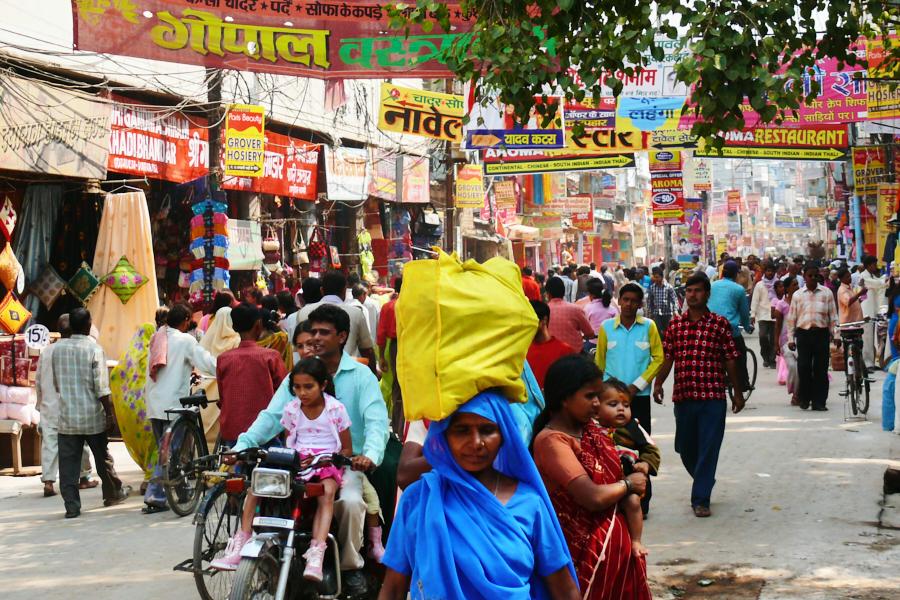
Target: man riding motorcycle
x=357 y=389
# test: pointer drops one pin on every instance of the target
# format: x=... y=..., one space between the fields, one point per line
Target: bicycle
x=184 y=453
x=751 y=375
x=857 y=381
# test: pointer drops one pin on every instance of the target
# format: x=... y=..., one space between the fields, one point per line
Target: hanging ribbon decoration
x=209 y=246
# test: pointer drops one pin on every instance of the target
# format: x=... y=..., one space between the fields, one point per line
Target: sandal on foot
x=152 y=509
x=87 y=484
x=702 y=512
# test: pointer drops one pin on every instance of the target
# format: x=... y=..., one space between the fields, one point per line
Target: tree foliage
x=520 y=49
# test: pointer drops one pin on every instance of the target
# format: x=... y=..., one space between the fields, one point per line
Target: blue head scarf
x=467 y=539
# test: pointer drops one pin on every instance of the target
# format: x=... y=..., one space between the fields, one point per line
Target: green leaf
x=566 y=5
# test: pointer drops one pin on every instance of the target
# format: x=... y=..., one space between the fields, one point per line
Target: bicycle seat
x=196 y=400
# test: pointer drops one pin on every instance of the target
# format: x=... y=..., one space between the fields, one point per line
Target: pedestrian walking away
x=871 y=302
x=629 y=349
x=811 y=322
x=761 y=314
x=729 y=299
x=699 y=346
x=81 y=378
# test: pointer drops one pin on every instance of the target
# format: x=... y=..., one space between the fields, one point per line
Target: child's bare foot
x=638 y=550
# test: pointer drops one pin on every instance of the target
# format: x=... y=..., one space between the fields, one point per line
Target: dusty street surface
x=795 y=516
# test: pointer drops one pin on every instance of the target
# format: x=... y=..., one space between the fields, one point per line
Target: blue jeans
x=888 y=406
x=699 y=429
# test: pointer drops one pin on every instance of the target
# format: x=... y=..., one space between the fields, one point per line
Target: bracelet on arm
x=627 y=483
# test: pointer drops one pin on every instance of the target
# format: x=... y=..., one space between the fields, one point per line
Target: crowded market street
x=799 y=502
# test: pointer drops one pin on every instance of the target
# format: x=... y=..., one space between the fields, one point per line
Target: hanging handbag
x=164 y=208
x=317 y=247
x=428 y=222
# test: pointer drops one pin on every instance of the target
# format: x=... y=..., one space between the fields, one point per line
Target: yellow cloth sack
x=462 y=328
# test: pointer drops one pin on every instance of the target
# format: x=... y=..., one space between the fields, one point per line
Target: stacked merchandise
x=427 y=231
x=209 y=243
x=18 y=370
x=400 y=237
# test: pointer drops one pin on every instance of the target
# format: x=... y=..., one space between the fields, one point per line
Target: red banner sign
x=734 y=201
x=583 y=221
x=144 y=141
x=291 y=169
x=326 y=40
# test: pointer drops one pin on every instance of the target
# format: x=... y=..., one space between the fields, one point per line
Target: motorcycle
x=272 y=560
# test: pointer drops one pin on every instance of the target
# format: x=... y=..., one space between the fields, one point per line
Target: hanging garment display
x=40 y=210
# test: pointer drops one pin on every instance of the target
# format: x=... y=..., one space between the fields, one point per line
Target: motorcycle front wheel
x=257 y=578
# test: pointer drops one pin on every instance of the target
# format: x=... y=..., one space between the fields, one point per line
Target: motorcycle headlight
x=271 y=483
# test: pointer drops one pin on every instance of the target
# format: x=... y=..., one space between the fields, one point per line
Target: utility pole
x=214 y=111
x=450 y=183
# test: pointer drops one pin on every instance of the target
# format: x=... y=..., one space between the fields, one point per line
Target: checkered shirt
x=812 y=309
x=81 y=377
x=698 y=350
x=662 y=300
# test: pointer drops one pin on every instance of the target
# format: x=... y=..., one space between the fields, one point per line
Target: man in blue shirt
x=729 y=299
x=357 y=389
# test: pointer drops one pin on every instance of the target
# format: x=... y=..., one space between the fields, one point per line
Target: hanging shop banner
x=46 y=130
x=492 y=125
x=655 y=79
x=417 y=112
x=161 y=145
x=818 y=212
x=608 y=141
x=583 y=220
x=290 y=169
x=868 y=169
x=416 y=178
x=821 y=142
x=563 y=204
x=521 y=162
x=245 y=136
x=735 y=203
x=668 y=197
x=688 y=238
x=883 y=102
x=702 y=176
x=753 y=203
x=887 y=207
x=788 y=223
x=346 y=170
x=469 y=187
x=244 y=252
x=591 y=114
x=665 y=160
x=649 y=114
x=325 y=40
x=383 y=183
x=550 y=226
x=505 y=194
x=717 y=219
x=602 y=202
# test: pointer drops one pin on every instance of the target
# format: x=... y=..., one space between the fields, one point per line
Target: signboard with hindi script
x=521 y=162
x=417 y=112
x=245 y=136
x=327 y=40
x=505 y=194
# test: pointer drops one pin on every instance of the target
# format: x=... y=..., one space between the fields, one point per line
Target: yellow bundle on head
x=462 y=328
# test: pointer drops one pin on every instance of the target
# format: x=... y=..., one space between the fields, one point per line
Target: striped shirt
x=357 y=389
x=812 y=308
x=81 y=379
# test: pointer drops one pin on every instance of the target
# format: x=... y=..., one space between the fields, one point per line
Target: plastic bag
x=462 y=328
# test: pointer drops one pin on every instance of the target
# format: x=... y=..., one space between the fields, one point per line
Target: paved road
x=795 y=514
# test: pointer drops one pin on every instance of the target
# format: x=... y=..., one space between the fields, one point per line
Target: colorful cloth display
x=124 y=280
x=48 y=286
x=12 y=314
x=84 y=284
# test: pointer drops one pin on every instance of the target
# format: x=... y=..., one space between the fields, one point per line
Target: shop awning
x=245 y=245
x=523 y=233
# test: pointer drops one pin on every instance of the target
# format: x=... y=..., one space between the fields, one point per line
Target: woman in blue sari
x=480 y=525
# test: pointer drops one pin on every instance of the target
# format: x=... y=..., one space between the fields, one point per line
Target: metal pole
x=855 y=217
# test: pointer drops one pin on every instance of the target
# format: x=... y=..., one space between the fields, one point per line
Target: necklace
x=497 y=485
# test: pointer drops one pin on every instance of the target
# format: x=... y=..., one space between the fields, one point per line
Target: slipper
x=144 y=487
x=89 y=484
x=48 y=493
x=123 y=495
x=151 y=509
x=702 y=512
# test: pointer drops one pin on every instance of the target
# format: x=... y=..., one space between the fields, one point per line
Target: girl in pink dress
x=317 y=423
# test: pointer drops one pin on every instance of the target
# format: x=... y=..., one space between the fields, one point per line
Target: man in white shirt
x=873 y=301
x=48 y=406
x=711 y=271
x=359 y=341
x=169 y=382
x=571 y=281
x=761 y=313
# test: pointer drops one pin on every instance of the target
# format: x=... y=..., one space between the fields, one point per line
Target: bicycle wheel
x=183 y=487
x=219 y=519
x=751 y=373
x=862 y=384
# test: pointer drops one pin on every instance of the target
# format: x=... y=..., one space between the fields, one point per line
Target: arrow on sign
x=484 y=141
x=407 y=103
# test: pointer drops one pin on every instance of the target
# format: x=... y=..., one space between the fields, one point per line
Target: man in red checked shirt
x=387 y=331
x=699 y=343
x=247 y=376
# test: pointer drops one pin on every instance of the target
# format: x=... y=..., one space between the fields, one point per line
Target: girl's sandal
x=702 y=511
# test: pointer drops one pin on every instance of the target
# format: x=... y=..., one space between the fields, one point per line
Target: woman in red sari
x=583 y=474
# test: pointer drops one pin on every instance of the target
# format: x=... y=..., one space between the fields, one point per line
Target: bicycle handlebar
x=855 y=323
